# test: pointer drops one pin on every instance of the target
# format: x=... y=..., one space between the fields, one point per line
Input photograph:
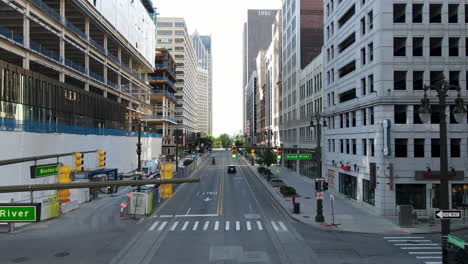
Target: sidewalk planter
x=277 y=183
x=287 y=191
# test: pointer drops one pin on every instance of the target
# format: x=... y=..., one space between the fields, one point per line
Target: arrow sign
x=207 y=199
x=448 y=214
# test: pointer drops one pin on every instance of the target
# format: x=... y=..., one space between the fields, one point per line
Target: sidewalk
x=349 y=216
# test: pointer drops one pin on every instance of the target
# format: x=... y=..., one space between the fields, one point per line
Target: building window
x=363 y=26
x=363 y=56
x=455 y=147
x=364 y=146
x=418 y=46
x=368 y=192
x=353 y=142
x=466 y=47
x=333 y=145
x=466 y=13
x=454 y=79
x=371 y=83
x=399 y=112
x=435 y=114
x=370 y=18
x=401 y=147
x=453 y=13
x=453 y=46
x=416 y=118
x=411 y=194
x=435 y=147
x=353 y=118
x=418 y=80
x=364 y=117
x=347 y=69
x=341 y=120
x=347 y=119
x=399 y=11
x=399 y=46
x=347 y=146
x=419 y=147
x=341 y=146
x=372 y=147
x=399 y=80
x=436 y=46
x=435 y=13
x=370 y=50
x=417 y=13
x=371 y=110
x=435 y=76
x=363 y=86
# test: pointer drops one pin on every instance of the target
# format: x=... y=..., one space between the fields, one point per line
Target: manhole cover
x=306 y=216
x=307 y=197
x=20 y=259
x=61 y=254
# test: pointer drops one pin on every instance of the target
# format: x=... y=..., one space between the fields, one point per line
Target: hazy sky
x=224 y=20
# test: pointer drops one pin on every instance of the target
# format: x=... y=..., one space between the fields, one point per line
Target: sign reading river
x=20 y=212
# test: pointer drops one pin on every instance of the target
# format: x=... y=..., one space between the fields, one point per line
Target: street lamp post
x=442 y=88
x=318 y=169
x=139 y=150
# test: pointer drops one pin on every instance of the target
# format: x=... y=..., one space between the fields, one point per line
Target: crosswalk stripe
x=406 y=240
x=226 y=227
x=259 y=225
x=185 y=225
x=421 y=248
x=248 y=226
x=283 y=226
x=205 y=227
x=275 y=227
x=237 y=226
x=153 y=226
x=429 y=257
x=195 y=226
x=427 y=244
x=424 y=253
x=174 y=225
x=162 y=226
x=397 y=237
x=216 y=225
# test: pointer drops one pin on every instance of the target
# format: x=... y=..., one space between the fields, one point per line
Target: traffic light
x=325 y=186
x=252 y=152
x=234 y=152
x=64 y=177
x=101 y=158
x=279 y=153
x=78 y=162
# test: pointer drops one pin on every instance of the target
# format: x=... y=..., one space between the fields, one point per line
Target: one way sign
x=448 y=214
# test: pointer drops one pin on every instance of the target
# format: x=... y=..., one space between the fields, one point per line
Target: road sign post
x=456 y=241
x=448 y=214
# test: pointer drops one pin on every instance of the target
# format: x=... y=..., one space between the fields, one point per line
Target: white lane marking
x=155 y=215
x=174 y=225
x=165 y=216
x=185 y=225
x=196 y=215
x=216 y=225
x=407 y=248
x=205 y=227
x=396 y=237
x=195 y=226
x=188 y=211
x=438 y=262
x=248 y=226
x=429 y=257
x=275 y=227
x=162 y=226
x=198 y=193
x=259 y=225
x=425 y=253
x=153 y=226
x=226 y=227
x=427 y=244
x=250 y=207
x=406 y=240
x=283 y=226
x=237 y=226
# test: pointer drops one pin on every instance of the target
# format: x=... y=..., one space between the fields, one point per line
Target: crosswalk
x=423 y=249
x=215 y=225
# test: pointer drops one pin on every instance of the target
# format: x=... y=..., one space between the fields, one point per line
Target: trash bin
x=297 y=208
x=405 y=215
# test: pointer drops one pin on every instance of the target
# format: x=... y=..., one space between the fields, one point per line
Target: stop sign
x=129 y=195
x=123 y=205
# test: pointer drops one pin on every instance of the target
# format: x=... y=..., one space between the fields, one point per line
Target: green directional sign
x=44 y=170
x=20 y=212
x=305 y=156
x=456 y=241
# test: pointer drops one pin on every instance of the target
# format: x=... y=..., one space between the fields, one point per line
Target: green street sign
x=44 y=170
x=456 y=241
x=20 y=212
x=298 y=156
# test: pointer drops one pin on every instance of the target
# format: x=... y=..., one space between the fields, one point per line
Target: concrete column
x=26 y=31
x=105 y=42
x=62 y=77
x=105 y=73
x=86 y=63
x=86 y=86
x=119 y=99
x=62 y=48
x=26 y=61
x=87 y=27
x=130 y=116
x=130 y=62
x=62 y=10
x=104 y=94
x=119 y=81
x=119 y=53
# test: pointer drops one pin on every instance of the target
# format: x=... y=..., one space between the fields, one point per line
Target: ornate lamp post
x=318 y=169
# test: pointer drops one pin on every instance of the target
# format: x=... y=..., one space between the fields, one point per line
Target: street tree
x=239 y=141
x=225 y=139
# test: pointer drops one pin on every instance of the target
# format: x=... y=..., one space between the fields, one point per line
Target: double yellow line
x=221 y=191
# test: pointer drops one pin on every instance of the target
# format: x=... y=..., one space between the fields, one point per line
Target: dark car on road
x=231 y=169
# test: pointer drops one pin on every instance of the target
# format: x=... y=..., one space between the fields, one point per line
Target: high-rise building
x=378 y=55
x=207 y=42
x=172 y=34
x=256 y=36
x=203 y=84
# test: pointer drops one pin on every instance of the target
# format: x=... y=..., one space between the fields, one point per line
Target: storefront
x=411 y=194
x=308 y=168
x=348 y=185
x=459 y=196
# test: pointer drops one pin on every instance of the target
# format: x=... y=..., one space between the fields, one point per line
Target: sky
x=224 y=20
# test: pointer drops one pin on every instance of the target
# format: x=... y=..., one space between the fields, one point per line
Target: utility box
x=405 y=215
x=138 y=203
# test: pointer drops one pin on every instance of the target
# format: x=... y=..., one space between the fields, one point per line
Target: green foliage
x=264 y=171
x=225 y=140
x=207 y=140
x=287 y=190
x=239 y=141
x=266 y=158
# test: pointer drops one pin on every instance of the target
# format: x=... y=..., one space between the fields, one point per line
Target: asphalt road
x=226 y=218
